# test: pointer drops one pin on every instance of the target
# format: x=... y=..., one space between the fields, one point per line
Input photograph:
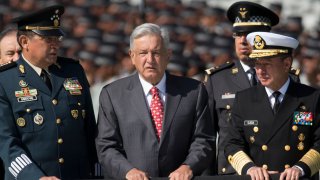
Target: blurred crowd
x=97 y=33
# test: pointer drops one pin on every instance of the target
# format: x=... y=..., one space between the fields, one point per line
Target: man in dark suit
x=153 y=124
x=275 y=125
x=47 y=125
x=224 y=81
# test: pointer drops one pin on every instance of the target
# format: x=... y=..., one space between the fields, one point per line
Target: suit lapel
x=240 y=78
x=173 y=98
x=288 y=105
x=32 y=78
x=138 y=102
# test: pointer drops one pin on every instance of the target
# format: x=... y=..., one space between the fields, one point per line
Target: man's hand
x=135 y=174
x=49 y=178
x=291 y=174
x=184 y=172
x=259 y=173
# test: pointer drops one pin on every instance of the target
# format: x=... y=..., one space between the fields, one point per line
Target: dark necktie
x=253 y=80
x=276 y=105
x=45 y=77
x=156 y=108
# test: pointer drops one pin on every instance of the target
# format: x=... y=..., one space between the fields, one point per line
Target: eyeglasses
x=51 y=39
x=240 y=34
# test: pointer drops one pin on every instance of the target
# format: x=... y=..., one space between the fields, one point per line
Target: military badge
x=73 y=86
x=21 y=68
x=26 y=94
x=301 y=137
x=75 y=113
x=21 y=122
x=302 y=118
x=23 y=84
x=234 y=70
x=38 y=119
x=300 y=146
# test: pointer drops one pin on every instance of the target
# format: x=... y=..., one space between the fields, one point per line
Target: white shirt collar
x=37 y=69
x=147 y=86
x=283 y=89
x=244 y=66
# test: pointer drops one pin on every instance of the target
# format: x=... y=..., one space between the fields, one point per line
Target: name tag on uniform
x=250 y=122
x=302 y=118
x=26 y=94
x=228 y=96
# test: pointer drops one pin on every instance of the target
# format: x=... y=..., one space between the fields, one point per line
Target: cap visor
x=53 y=32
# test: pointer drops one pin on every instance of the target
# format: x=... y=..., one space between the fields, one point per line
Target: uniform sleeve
x=202 y=149
x=15 y=157
x=235 y=149
x=110 y=149
x=310 y=162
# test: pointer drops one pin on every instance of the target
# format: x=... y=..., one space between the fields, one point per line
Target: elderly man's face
x=9 y=48
x=273 y=72
x=150 y=57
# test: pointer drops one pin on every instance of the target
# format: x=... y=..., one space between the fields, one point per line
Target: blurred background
x=97 y=33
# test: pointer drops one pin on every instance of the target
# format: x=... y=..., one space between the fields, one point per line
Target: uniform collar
x=282 y=90
x=37 y=69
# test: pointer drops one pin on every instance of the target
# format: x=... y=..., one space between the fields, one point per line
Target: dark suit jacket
x=31 y=147
x=127 y=138
x=222 y=85
x=271 y=140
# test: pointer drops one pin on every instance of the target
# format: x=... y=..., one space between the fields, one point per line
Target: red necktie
x=156 y=108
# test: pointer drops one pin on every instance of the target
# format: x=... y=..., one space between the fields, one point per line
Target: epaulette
x=295 y=71
x=7 y=65
x=215 y=69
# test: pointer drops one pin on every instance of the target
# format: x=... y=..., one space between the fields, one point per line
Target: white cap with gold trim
x=266 y=44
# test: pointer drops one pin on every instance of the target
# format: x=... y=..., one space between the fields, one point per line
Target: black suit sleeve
x=202 y=149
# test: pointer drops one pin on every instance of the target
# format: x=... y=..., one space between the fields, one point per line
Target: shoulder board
x=219 y=68
x=295 y=71
x=7 y=65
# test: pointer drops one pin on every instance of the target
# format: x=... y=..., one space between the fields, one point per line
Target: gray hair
x=8 y=30
x=150 y=29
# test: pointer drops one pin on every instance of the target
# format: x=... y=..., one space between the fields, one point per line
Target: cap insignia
x=259 y=43
x=243 y=12
x=55 y=18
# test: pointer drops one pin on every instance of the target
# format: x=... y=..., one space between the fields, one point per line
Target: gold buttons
x=301 y=137
x=287 y=147
x=252 y=139
x=79 y=104
x=264 y=147
x=28 y=110
x=61 y=160
x=228 y=106
x=294 y=128
x=229 y=158
x=300 y=146
x=255 y=129
x=265 y=166
x=60 y=140
x=58 y=121
x=286 y=166
x=223 y=170
x=54 y=102
x=21 y=122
